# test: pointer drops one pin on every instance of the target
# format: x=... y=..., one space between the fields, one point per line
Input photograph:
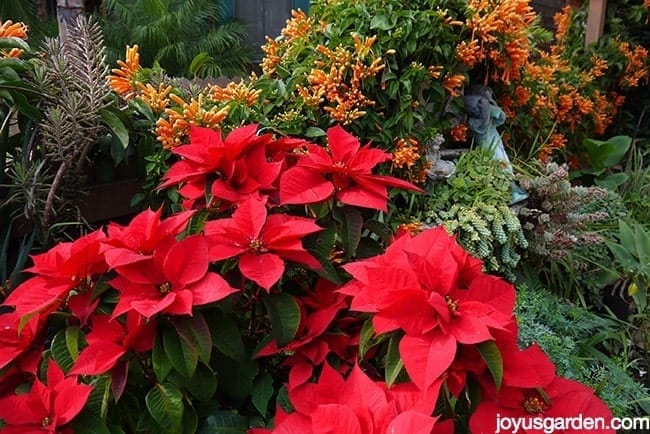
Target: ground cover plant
x=286 y=272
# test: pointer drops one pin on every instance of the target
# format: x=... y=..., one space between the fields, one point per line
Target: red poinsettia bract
x=45 y=408
x=345 y=172
x=67 y=266
x=357 y=405
x=232 y=169
x=173 y=280
x=561 y=401
x=261 y=241
x=430 y=288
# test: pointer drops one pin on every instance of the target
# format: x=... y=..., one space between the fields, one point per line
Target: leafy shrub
x=473 y=205
x=186 y=38
x=571 y=335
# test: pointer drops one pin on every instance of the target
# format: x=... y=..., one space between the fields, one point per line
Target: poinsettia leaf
x=72 y=341
x=190 y=423
x=394 y=363
x=87 y=422
x=162 y=366
x=235 y=377
x=284 y=314
x=224 y=422
x=60 y=352
x=184 y=357
x=203 y=383
x=380 y=229
x=227 y=338
x=100 y=397
x=262 y=392
x=368 y=338
x=351 y=228
x=194 y=332
x=492 y=357
x=165 y=404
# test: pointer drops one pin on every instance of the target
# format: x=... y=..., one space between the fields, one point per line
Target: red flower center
x=453 y=304
x=534 y=405
x=165 y=287
x=46 y=421
x=255 y=244
x=339 y=165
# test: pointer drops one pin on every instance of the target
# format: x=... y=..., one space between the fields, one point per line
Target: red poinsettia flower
x=357 y=405
x=261 y=242
x=561 y=399
x=233 y=168
x=345 y=173
x=137 y=241
x=14 y=343
x=109 y=340
x=172 y=281
x=420 y=287
x=45 y=408
x=72 y=265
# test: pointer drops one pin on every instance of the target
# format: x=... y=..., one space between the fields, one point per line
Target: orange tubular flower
x=9 y=29
x=406 y=154
x=156 y=99
x=236 y=92
x=458 y=133
x=124 y=81
x=453 y=83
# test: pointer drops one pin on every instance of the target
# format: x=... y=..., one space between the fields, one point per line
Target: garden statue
x=439 y=168
x=484 y=118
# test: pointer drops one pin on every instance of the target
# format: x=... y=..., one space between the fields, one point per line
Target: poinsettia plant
x=275 y=302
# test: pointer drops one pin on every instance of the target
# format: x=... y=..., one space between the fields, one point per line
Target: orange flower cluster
x=156 y=99
x=9 y=29
x=498 y=36
x=412 y=228
x=458 y=133
x=124 y=80
x=453 y=84
x=171 y=131
x=338 y=78
x=562 y=22
x=636 y=68
x=299 y=26
x=555 y=141
x=406 y=153
x=239 y=92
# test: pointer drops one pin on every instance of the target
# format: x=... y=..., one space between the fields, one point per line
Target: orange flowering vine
x=124 y=80
x=9 y=29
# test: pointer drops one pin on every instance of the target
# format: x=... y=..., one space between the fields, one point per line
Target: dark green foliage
x=581 y=345
x=174 y=32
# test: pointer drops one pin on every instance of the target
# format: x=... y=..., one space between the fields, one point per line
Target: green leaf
x=116 y=125
x=100 y=396
x=365 y=338
x=352 y=226
x=626 y=235
x=262 y=392
x=184 y=357
x=642 y=243
x=380 y=229
x=224 y=422
x=380 y=22
x=203 y=383
x=60 y=352
x=603 y=154
x=236 y=377
x=198 y=62
x=190 y=420
x=165 y=404
x=72 y=341
x=87 y=422
x=227 y=338
x=284 y=313
x=492 y=357
x=194 y=334
x=314 y=132
x=612 y=182
x=394 y=363
x=162 y=366
x=12 y=42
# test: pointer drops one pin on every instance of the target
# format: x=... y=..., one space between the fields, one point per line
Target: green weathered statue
x=484 y=117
